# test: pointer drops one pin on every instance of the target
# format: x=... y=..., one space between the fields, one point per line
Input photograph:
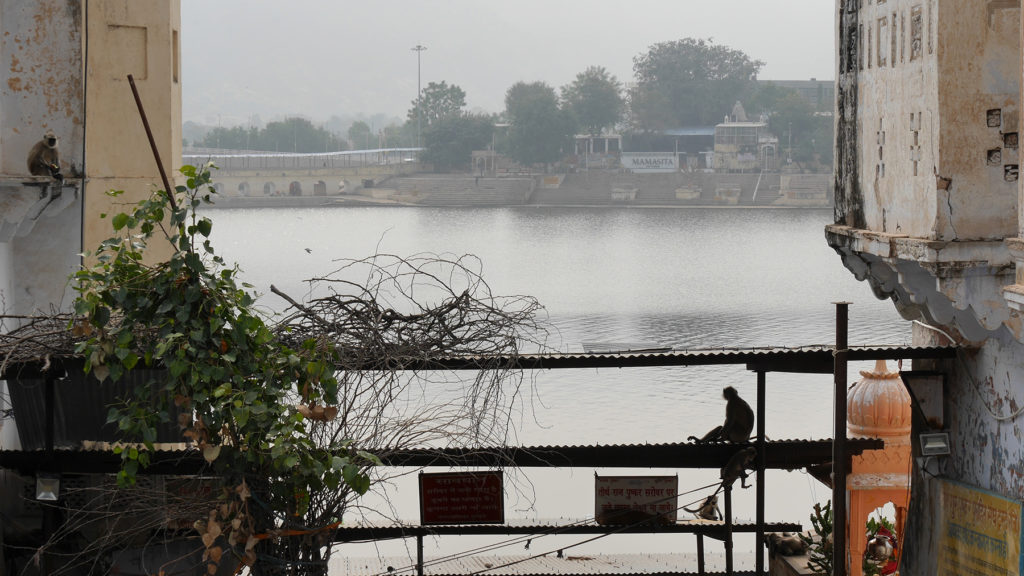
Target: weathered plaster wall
x=979 y=93
x=931 y=161
x=45 y=259
x=6 y=278
x=848 y=204
x=40 y=80
x=986 y=397
x=897 y=130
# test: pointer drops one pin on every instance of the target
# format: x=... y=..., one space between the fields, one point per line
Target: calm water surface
x=686 y=278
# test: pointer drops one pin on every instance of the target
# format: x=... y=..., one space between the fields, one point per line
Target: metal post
x=728 y=530
x=840 y=531
x=419 y=555
x=418 y=49
x=759 y=534
x=700 y=554
x=50 y=411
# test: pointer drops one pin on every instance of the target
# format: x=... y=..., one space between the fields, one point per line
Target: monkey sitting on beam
x=739 y=420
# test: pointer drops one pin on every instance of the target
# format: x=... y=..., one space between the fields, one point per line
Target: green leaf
x=120 y=221
x=241 y=416
x=204 y=226
x=101 y=316
x=338 y=463
x=370 y=457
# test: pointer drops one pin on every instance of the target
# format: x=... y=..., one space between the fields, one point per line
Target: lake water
x=685 y=278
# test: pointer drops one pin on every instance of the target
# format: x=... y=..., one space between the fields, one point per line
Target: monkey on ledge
x=739 y=420
x=43 y=158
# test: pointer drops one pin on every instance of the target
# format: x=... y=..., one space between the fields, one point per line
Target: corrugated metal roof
x=81 y=404
x=355 y=532
x=816 y=359
x=549 y=564
x=779 y=454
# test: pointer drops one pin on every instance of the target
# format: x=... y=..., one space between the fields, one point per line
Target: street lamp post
x=418 y=49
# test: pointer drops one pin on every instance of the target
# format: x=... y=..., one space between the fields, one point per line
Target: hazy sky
x=321 y=58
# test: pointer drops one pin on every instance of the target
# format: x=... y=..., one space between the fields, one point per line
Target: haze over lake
x=685 y=278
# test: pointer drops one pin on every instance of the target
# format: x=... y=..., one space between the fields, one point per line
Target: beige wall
x=142 y=39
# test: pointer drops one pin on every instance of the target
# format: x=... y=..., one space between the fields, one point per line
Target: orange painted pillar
x=878 y=406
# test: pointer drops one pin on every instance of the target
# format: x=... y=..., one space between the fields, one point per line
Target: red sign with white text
x=462 y=498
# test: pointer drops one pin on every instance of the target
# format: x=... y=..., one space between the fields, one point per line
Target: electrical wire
x=974 y=385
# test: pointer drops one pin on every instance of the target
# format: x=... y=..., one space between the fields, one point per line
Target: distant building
x=744 y=147
x=601 y=151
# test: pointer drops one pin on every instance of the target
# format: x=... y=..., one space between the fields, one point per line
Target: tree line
x=683 y=83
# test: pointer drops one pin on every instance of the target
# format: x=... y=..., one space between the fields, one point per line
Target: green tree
x=438 y=100
x=361 y=136
x=539 y=127
x=235 y=138
x=297 y=134
x=400 y=135
x=594 y=99
x=689 y=82
x=449 y=142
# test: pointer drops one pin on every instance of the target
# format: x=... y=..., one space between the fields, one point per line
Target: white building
x=927 y=211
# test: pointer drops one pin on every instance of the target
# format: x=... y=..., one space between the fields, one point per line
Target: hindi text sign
x=462 y=498
x=635 y=499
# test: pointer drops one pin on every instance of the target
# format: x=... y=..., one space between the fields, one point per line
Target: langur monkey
x=737 y=466
x=739 y=420
x=786 y=544
x=43 y=159
x=708 y=509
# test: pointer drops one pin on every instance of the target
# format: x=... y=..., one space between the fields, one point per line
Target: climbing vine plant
x=230 y=385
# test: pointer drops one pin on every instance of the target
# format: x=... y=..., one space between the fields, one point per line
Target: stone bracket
x=944 y=283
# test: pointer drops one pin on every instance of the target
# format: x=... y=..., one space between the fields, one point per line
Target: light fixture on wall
x=47 y=487
x=934 y=444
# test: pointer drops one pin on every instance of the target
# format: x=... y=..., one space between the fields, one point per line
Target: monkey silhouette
x=736 y=467
x=44 y=159
x=739 y=420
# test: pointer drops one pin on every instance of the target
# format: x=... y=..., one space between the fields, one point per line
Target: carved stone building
x=927 y=199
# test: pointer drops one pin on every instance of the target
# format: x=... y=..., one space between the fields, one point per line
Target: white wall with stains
x=937 y=116
x=928 y=214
